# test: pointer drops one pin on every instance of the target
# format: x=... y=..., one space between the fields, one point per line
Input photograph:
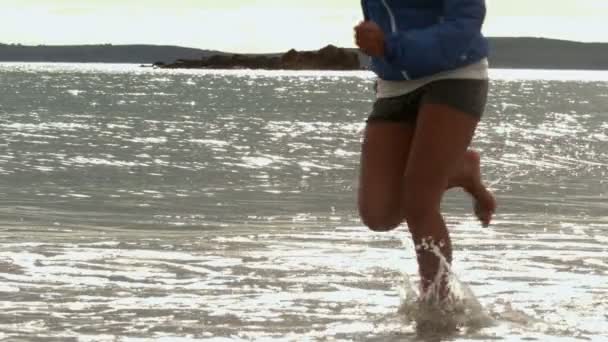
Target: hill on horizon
x=524 y=52
x=99 y=53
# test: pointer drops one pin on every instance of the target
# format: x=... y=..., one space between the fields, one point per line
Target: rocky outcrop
x=328 y=58
x=225 y=62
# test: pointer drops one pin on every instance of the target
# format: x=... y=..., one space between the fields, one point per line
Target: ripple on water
x=200 y=204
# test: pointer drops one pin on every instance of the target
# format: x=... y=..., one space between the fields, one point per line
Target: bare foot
x=469 y=178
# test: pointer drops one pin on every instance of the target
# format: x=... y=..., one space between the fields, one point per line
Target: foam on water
x=435 y=314
x=462 y=312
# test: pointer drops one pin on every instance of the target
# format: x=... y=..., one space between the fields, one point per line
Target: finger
x=362 y=37
x=370 y=30
x=367 y=25
x=358 y=40
x=361 y=40
x=370 y=27
x=362 y=34
x=360 y=29
x=360 y=43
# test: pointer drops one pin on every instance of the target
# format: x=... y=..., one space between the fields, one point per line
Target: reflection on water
x=138 y=203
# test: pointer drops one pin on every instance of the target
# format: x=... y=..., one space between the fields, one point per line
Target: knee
x=380 y=220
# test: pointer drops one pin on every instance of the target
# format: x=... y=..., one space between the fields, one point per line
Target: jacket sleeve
x=442 y=45
x=365 y=12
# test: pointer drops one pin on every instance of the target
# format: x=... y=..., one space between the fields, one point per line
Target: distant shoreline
x=520 y=73
x=506 y=53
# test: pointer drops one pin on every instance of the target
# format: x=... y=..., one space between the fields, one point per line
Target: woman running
x=431 y=61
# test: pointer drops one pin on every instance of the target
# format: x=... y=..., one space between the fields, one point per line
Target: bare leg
x=438 y=148
x=385 y=152
x=468 y=177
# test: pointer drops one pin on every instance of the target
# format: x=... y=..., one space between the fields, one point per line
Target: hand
x=370 y=38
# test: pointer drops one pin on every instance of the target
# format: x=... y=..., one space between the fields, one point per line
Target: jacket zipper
x=394 y=30
x=391 y=15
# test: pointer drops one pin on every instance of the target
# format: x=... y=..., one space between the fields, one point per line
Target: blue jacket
x=424 y=37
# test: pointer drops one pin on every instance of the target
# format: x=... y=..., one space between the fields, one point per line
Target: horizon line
x=269 y=52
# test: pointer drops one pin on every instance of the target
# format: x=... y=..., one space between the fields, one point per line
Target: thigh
x=447 y=120
x=384 y=156
x=440 y=141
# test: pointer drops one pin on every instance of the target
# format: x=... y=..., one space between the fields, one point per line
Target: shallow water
x=140 y=204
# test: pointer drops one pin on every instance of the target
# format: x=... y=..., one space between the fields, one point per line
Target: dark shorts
x=466 y=95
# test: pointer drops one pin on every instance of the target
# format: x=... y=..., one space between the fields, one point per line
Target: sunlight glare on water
x=185 y=205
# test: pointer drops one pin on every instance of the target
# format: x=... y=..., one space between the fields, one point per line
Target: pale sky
x=263 y=25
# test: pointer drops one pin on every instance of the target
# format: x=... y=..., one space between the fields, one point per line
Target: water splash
x=436 y=314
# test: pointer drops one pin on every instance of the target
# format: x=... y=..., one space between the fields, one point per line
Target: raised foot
x=484 y=203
